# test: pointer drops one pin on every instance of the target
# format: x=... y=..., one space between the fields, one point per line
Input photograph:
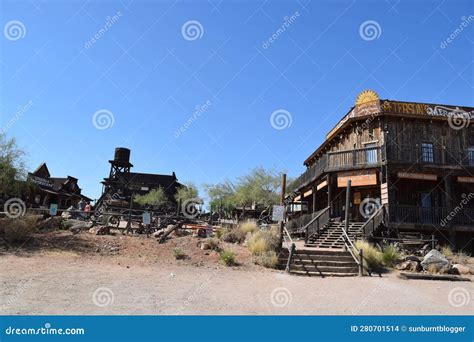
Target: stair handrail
x=378 y=215
x=291 y=248
x=359 y=259
x=305 y=228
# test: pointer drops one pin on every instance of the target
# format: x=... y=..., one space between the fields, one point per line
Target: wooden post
x=329 y=194
x=433 y=245
x=314 y=198
x=290 y=258
x=361 y=263
x=348 y=202
x=282 y=201
x=129 y=223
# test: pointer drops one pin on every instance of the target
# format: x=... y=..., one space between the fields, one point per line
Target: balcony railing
x=437 y=216
x=430 y=155
x=360 y=157
x=374 y=156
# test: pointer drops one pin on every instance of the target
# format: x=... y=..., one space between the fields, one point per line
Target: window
x=427 y=154
x=371 y=153
x=470 y=156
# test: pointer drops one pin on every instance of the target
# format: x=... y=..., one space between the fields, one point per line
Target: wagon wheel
x=113 y=221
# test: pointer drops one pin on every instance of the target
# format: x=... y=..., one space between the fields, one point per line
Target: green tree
x=260 y=186
x=187 y=192
x=12 y=168
x=222 y=195
x=155 y=197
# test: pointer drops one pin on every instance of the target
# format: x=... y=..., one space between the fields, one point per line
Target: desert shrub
x=227 y=257
x=372 y=255
x=459 y=258
x=233 y=235
x=248 y=226
x=447 y=250
x=218 y=233
x=263 y=241
x=390 y=256
x=267 y=259
x=18 y=230
x=179 y=254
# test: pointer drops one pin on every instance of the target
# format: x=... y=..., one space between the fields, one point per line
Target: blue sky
x=149 y=74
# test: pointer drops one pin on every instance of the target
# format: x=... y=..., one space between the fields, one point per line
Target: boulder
x=54 y=222
x=409 y=265
x=435 y=261
x=80 y=226
x=461 y=269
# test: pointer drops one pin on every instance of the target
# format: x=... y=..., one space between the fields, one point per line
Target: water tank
x=122 y=156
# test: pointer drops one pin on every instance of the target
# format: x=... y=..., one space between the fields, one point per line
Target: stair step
x=319 y=274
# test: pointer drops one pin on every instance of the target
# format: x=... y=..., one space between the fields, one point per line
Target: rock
x=100 y=230
x=409 y=265
x=435 y=261
x=412 y=258
x=80 y=226
x=54 y=222
x=461 y=269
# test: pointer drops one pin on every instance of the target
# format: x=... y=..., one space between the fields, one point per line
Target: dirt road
x=67 y=283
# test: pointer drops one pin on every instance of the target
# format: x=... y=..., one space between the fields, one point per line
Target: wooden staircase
x=331 y=235
x=323 y=263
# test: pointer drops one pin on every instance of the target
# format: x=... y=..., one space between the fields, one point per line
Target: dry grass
x=447 y=250
x=372 y=255
x=390 y=256
x=18 y=230
x=233 y=235
x=267 y=259
x=248 y=227
x=263 y=241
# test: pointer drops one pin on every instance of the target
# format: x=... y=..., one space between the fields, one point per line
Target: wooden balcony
x=430 y=155
x=375 y=156
x=434 y=216
x=341 y=160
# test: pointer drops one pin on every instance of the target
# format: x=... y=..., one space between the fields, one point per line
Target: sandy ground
x=85 y=274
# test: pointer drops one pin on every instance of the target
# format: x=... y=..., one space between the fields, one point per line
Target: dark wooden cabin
x=63 y=191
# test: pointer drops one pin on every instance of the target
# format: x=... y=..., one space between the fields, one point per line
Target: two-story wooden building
x=411 y=166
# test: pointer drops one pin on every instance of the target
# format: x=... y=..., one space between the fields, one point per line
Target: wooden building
x=122 y=184
x=411 y=166
x=46 y=190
